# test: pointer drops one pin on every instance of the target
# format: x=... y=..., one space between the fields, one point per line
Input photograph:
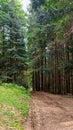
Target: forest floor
x=14 y=106
x=50 y=112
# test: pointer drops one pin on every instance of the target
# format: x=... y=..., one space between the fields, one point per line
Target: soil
x=50 y=112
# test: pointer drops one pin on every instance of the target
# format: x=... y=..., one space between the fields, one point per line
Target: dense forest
x=37 y=48
x=12 y=45
x=50 y=39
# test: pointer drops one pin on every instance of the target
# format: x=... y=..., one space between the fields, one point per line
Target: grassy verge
x=14 y=106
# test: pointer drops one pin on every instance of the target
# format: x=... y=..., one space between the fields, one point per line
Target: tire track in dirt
x=49 y=112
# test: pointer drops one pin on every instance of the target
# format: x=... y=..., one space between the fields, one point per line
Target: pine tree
x=12 y=45
x=48 y=40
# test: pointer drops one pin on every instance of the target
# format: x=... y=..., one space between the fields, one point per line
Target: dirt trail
x=50 y=112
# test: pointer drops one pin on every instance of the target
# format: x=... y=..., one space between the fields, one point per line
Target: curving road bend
x=49 y=112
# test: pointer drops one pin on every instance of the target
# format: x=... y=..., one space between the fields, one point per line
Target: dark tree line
x=12 y=45
x=37 y=47
x=50 y=41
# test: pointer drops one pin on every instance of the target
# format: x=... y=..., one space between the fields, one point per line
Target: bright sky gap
x=25 y=4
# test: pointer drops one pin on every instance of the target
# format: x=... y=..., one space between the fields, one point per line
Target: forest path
x=50 y=112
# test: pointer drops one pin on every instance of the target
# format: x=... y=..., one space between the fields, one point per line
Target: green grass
x=14 y=106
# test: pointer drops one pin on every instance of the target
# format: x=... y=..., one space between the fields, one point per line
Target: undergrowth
x=14 y=106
